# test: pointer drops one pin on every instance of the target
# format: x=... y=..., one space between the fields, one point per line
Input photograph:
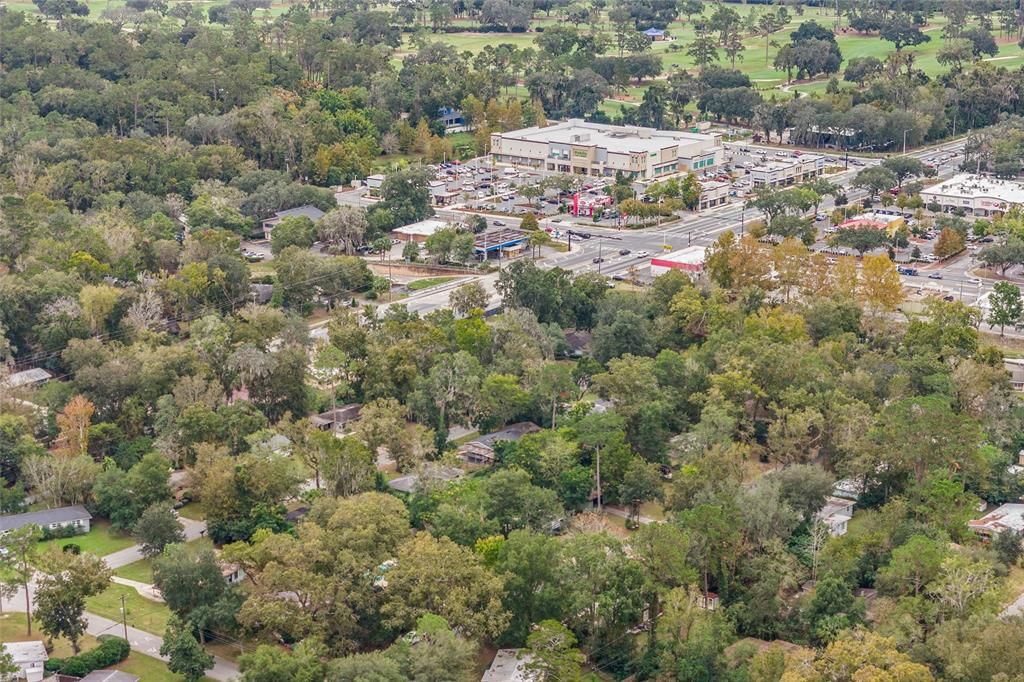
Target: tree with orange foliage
x=73 y=423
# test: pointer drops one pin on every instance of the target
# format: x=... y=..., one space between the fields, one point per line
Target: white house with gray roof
x=30 y=657
x=76 y=516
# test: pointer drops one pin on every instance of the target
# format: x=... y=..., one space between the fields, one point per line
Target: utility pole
x=124 y=618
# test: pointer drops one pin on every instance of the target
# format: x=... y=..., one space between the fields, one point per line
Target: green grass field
x=100 y=540
x=755 y=61
x=12 y=629
x=427 y=282
x=143 y=614
x=149 y=669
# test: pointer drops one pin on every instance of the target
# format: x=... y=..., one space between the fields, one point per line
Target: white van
x=510 y=171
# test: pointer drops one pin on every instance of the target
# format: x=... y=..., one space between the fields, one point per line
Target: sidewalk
x=144 y=589
x=145 y=643
x=140 y=641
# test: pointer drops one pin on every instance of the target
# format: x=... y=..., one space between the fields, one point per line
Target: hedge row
x=111 y=651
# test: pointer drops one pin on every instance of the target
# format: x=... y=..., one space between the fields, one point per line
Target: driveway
x=129 y=555
x=140 y=641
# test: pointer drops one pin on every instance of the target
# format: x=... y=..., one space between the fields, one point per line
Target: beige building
x=602 y=150
x=788 y=171
x=713 y=193
x=975 y=194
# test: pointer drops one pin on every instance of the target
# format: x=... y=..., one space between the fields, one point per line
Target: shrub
x=111 y=651
x=72 y=548
x=62 y=532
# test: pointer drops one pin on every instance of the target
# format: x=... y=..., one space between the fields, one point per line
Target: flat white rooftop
x=970 y=186
x=876 y=217
x=691 y=255
x=783 y=164
x=619 y=139
x=423 y=228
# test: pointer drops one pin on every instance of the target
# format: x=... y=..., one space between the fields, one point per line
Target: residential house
x=509 y=665
x=707 y=601
x=233 y=573
x=431 y=472
x=308 y=211
x=25 y=378
x=29 y=657
x=481 y=450
x=658 y=35
x=261 y=293
x=836 y=514
x=1015 y=367
x=49 y=519
x=338 y=418
x=1005 y=517
x=452 y=119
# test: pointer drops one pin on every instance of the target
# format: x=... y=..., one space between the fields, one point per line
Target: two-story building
x=602 y=150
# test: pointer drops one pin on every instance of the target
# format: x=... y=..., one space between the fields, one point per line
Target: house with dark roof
x=75 y=516
x=452 y=119
x=481 y=450
x=307 y=211
x=338 y=418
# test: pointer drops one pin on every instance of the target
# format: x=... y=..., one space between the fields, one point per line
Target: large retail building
x=602 y=150
x=976 y=194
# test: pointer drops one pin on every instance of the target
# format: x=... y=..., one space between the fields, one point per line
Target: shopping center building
x=975 y=194
x=602 y=150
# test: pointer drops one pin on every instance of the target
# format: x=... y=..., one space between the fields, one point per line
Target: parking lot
x=498 y=190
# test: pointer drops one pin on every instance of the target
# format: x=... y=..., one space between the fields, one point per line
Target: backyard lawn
x=101 y=540
x=143 y=614
x=12 y=629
